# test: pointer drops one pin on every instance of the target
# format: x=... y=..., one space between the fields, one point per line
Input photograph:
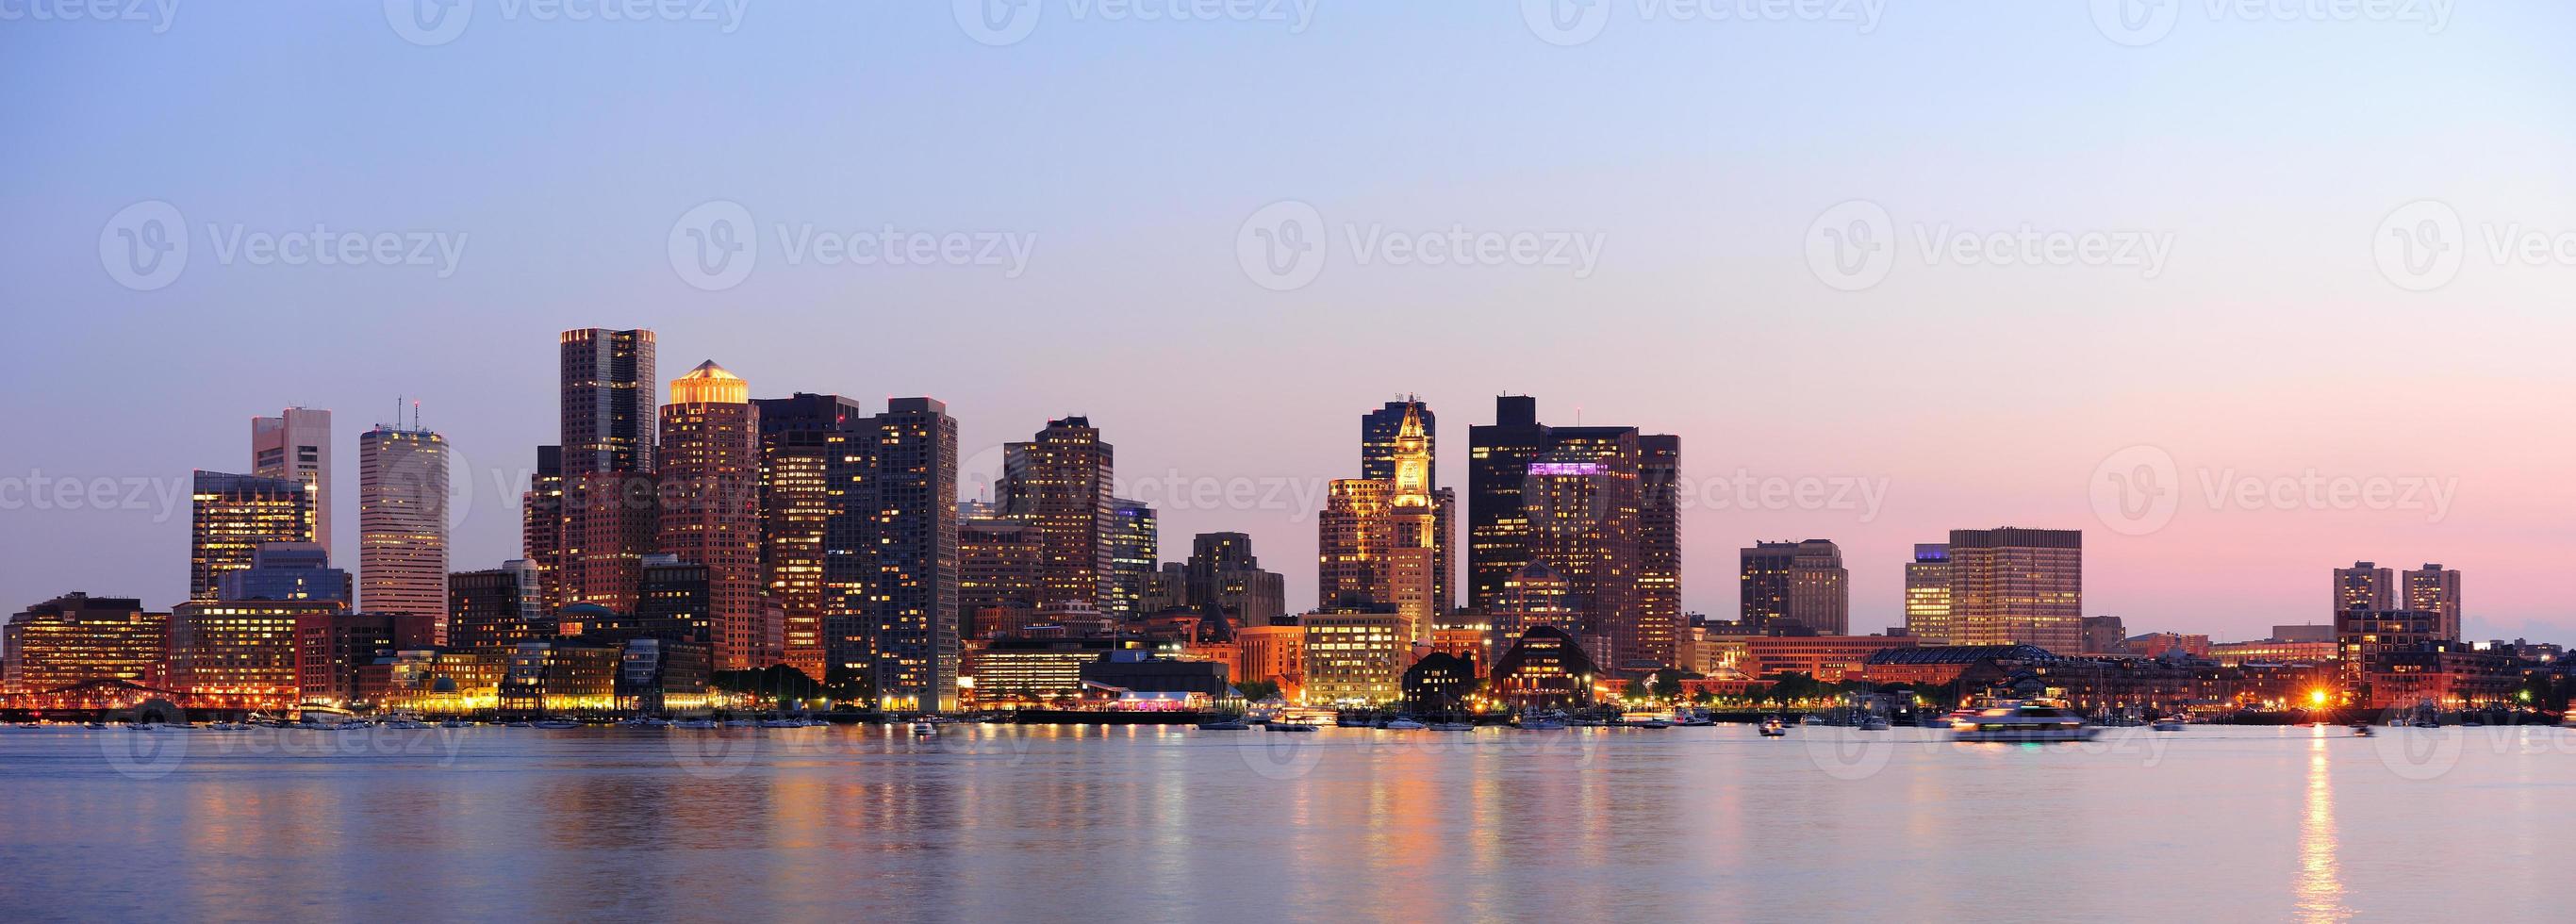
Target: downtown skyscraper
x=808 y=529
x=230 y=516
x=402 y=524
x=1380 y=432
x=1795 y=584
x=1377 y=540
x=606 y=452
x=903 y=628
x=2018 y=586
x=1576 y=499
x=710 y=504
x=296 y=444
x=1059 y=481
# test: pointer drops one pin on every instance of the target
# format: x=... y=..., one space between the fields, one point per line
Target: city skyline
x=2269 y=346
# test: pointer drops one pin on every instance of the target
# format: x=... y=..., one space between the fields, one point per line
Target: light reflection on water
x=1076 y=824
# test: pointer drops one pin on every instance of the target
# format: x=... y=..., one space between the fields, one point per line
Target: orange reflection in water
x=2320 y=883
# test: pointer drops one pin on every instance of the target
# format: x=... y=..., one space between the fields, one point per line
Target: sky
x=2243 y=291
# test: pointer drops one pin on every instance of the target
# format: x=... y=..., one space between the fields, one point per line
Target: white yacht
x=2016 y=722
x=1772 y=727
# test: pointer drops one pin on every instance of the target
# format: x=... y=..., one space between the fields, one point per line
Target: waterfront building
x=497 y=608
x=710 y=504
x=1135 y=679
x=1439 y=682
x=1225 y=579
x=76 y=638
x=1544 y=669
x=2364 y=637
x=1060 y=482
x=1971 y=667
x=230 y=516
x=1827 y=658
x=1796 y=584
x=241 y=652
x=1927 y=595
x=295 y=445
x=1354 y=658
x=808 y=529
x=286 y=571
x=904 y=626
x=332 y=648
x=2158 y=644
x=1275 y=653
x=2273 y=650
x=561 y=676
x=2104 y=635
x=660 y=675
x=1034 y=672
x=2435 y=589
x=402 y=523
x=997 y=572
x=1352 y=536
x=1135 y=549
x=2018 y=586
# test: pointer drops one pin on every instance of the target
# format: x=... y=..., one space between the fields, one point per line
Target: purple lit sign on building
x=1565 y=468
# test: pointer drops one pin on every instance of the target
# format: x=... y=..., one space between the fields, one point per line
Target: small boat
x=1403 y=723
x=97 y=725
x=2025 y=722
x=558 y=724
x=1453 y=726
x=1279 y=726
x=1225 y=725
x=695 y=724
x=1650 y=723
x=1541 y=723
x=2168 y=723
x=1873 y=723
x=1772 y=727
x=924 y=729
x=2362 y=730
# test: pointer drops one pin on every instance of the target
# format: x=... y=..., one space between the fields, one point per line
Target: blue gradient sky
x=1131 y=154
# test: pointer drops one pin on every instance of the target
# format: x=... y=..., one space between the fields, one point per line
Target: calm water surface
x=1150 y=824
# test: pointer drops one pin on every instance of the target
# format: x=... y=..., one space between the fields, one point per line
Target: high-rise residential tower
x=2435 y=589
x=230 y=516
x=1135 y=550
x=1663 y=632
x=402 y=524
x=905 y=631
x=2018 y=586
x=608 y=406
x=710 y=503
x=296 y=444
x=1059 y=481
x=541 y=527
x=2365 y=586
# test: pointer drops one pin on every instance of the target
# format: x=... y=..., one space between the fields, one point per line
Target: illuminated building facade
x=2364 y=586
x=402 y=523
x=658 y=675
x=808 y=528
x=1575 y=498
x=2435 y=589
x=1927 y=595
x=1352 y=537
x=1796 y=584
x=541 y=526
x=331 y=649
x=1381 y=439
x=608 y=528
x=997 y=573
x=561 y=676
x=296 y=445
x=1828 y=658
x=1544 y=669
x=1662 y=635
x=230 y=516
x=2273 y=650
x=75 y=638
x=1439 y=682
x=1354 y=658
x=2363 y=637
x=1224 y=578
x=1273 y=653
x=497 y=608
x=710 y=503
x=1534 y=596
x=240 y=650
x=905 y=629
x=1135 y=549
x=1060 y=482
x=1034 y=671
x=2024 y=586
